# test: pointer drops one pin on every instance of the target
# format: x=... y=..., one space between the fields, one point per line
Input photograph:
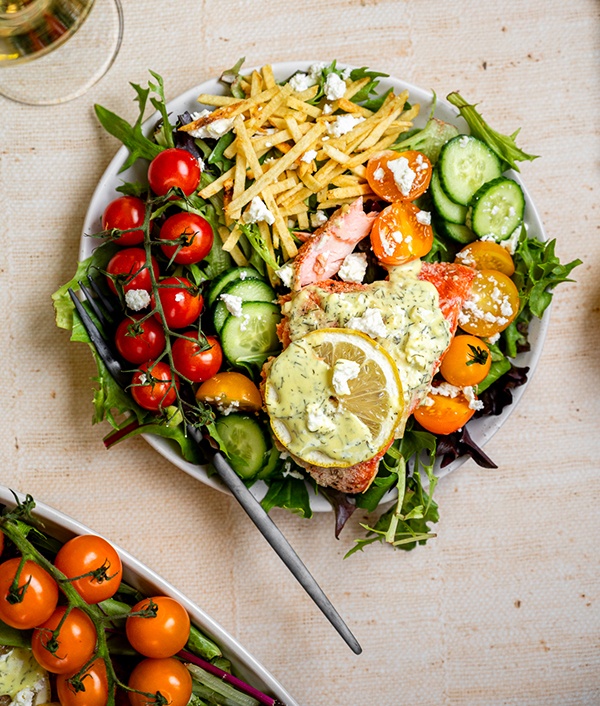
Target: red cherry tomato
x=174 y=168
x=75 y=640
x=181 y=301
x=94 y=682
x=153 y=387
x=195 y=231
x=194 y=364
x=124 y=213
x=167 y=676
x=140 y=340
x=37 y=588
x=128 y=268
x=86 y=554
x=160 y=636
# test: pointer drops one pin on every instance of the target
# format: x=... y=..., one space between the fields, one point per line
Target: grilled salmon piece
x=320 y=257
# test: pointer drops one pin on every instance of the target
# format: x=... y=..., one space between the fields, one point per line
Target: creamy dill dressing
x=21 y=678
x=402 y=314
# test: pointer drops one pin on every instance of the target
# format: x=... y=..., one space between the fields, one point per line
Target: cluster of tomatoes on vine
x=188 y=238
x=68 y=637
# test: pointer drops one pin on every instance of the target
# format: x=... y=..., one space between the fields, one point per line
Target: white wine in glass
x=52 y=51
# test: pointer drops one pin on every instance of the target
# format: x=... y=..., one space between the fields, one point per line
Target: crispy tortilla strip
x=218 y=101
x=335 y=154
x=346 y=180
x=238 y=256
x=354 y=87
x=239 y=185
x=246 y=147
x=231 y=239
x=280 y=229
x=292 y=128
x=215 y=186
x=347 y=192
x=283 y=185
x=269 y=108
x=302 y=107
x=294 y=210
x=335 y=203
x=256 y=83
x=268 y=78
x=384 y=123
x=303 y=220
x=278 y=167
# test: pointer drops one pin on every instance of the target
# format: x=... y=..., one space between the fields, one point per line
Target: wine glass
x=52 y=51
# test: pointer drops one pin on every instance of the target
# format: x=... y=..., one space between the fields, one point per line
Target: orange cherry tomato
x=491 y=306
x=38 y=591
x=75 y=641
x=231 y=390
x=398 y=236
x=167 y=676
x=91 y=689
x=486 y=255
x=160 y=636
x=444 y=415
x=466 y=362
x=399 y=176
x=89 y=554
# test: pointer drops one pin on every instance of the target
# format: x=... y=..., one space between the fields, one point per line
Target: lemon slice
x=334 y=397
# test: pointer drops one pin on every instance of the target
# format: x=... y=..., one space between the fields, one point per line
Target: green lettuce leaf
x=289 y=493
x=503 y=145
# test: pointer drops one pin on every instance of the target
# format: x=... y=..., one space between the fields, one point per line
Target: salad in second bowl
x=328 y=290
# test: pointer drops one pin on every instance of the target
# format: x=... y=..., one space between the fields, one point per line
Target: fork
x=105 y=312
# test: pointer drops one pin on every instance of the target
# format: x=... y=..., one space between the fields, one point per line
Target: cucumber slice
x=448 y=210
x=219 y=283
x=251 y=337
x=467 y=163
x=249 y=290
x=245 y=443
x=457 y=231
x=497 y=209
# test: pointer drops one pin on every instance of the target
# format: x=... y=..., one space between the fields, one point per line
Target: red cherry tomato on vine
x=181 y=301
x=124 y=213
x=140 y=341
x=444 y=415
x=194 y=364
x=154 y=387
x=96 y=687
x=128 y=267
x=37 y=588
x=174 y=168
x=167 y=676
x=195 y=232
x=89 y=553
x=160 y=636
x=76 y=641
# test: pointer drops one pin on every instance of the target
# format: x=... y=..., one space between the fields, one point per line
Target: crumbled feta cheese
x=397 y=236
x=447 y=390
x=314 y=70
x=370 y=323
x=308 y=156
x=389 y=245
x=343 y=371
x=379 y=174
x=258 y=211
x=287 y=470
x=421 y=164
x=494 y=338
x=214 y=130
x=226 y=409
x=354 y=267
x=201 y=163
x=423 y=217
x=404 y=176
x=474 y=403
x=179 y=297
x=245 y=322
x=318 y=218
x=301 y=82
x=243 y=275
x=233 y=303
x=286 y=274
x=317 y=419
x=327 y=109
x=464 y=140
x=512 y=241
x=343 y=124
x=137 y=299
x=334 y=87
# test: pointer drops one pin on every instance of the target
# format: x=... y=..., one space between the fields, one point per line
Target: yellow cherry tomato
x=398 y=236
x=399 y=176
x=486 y=255
x=442 y=414
x=230 y=390
x=491 y=306
x=466 y=362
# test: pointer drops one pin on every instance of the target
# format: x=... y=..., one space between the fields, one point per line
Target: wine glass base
x=73 y=68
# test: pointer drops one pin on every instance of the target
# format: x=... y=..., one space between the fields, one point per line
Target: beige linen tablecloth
x=503 y=607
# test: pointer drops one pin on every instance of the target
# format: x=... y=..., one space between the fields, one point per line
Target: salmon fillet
x=453 y=283
x=321 y=257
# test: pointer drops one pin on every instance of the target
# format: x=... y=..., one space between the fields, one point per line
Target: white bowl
x=481 y=429
x=136 y=574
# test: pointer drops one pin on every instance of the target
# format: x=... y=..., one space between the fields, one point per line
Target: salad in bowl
x=83 y=623
x=345 y=292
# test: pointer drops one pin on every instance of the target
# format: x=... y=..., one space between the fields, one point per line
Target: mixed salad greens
x=205 y=368
x=73 y=631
